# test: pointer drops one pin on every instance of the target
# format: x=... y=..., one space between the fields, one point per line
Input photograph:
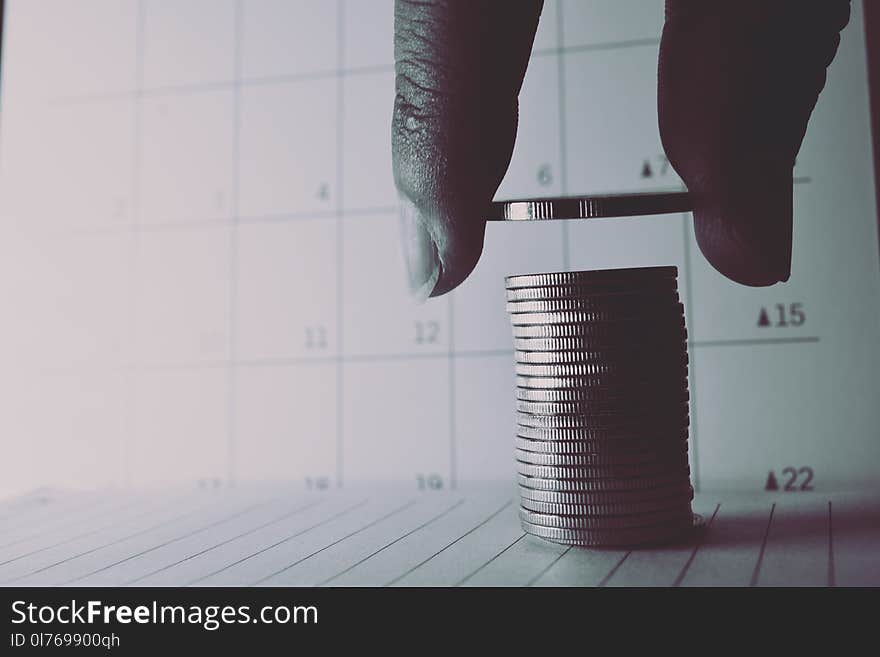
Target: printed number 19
x=430 y=482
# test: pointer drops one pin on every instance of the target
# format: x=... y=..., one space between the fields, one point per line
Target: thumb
x=459 y=67
x=737 y=82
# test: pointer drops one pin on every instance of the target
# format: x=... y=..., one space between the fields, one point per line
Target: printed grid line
x=275 y=520
x=73 y=523
x=174 y=539
x=283 y=217
x=604 y=581
x=563 y=150
x=340 y=245
x=283 y=361
x=684 y=569
x=407 y=534
x=464 y=535
x=756 y=573
x=121 y=539
x=491 y=560
x=453 y=455
x=362 y=528
x=534 y=580
x=325 y=520
x=69 y=539
x=130 y=412
x=339 y=71
x=832 y=573
x=231 y=372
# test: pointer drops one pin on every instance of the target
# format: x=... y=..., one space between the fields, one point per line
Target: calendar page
x=202 y=284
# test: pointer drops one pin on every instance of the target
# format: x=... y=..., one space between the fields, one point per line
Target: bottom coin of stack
x=602 y=401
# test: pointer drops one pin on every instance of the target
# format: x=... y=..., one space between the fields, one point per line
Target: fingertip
x=747 y=237
x=441 y=246
x=459 y=256
x=458 y=71
x=419 y=251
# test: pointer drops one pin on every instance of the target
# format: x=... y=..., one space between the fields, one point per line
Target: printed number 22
x=792 y=473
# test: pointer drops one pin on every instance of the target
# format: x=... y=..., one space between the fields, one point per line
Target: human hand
x=737 y=82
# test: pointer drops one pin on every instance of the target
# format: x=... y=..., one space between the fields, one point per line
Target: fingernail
x=419 y=253
x=747 y=234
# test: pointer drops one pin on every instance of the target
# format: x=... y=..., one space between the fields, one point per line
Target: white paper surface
x=201 y=279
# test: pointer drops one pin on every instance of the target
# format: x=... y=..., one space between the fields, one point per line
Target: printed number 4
x=316 y=337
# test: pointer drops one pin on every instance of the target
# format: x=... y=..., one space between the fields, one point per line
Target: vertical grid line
x=757 y=571
x=692 y=361
x=604 y=581
x=453 y=465
x=231 y=379
x=832 y=577
x=340 y=239
x=680 y=577
x=563 y=157
x=490 y=561
x=134 y=245
x=544 y=571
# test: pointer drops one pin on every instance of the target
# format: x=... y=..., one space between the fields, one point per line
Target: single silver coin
x=638 y=330
x=605 y=485
x=675 y=453
x=620 y=384
x=609 y=341
x=632 y=536
x=614 y=276
x=591 y=207
x=678 y=417
x=601 y=472
x=633 y=393
x=600 y=435
x=660 y=315
x=606 y=497
x=675 y=515
x=665 y=286
x=612 y=450
x=631 y=508
x=640 y=356
x=654 y=367
x=622 y=405
x=630 y=302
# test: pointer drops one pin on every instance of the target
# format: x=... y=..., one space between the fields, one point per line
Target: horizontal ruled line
x=810 y=339
x=322 y=74
x=378 y=358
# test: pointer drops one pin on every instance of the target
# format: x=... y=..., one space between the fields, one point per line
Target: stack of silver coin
x=602 y=401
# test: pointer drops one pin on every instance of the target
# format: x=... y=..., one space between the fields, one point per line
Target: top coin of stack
x=602 y=393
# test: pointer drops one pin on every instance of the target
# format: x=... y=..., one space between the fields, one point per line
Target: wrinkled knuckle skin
x=459 y=66
x=418 y=136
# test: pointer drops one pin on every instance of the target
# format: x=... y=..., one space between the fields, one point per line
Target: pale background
x=200 y=277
